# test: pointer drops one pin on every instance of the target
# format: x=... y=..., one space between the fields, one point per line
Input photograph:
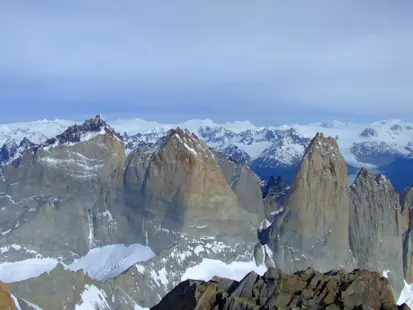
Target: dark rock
x=359 y=289
x=369 y=132
x=7 y=151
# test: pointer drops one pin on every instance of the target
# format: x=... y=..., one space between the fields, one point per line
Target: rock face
x=406 y=202
x=79 y=191
x=308 y=289
x=244 y=183
x=6 y=301
x=375 y=227
x=179 y=187
x=314 y=230
x=369 y=132
x=62 y=198
x=8 y=150
x=274 y=197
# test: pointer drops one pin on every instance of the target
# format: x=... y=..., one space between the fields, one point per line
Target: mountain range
x=382 y=147
x=99 y=215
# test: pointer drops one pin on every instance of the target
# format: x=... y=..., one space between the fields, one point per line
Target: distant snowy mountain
x=380 y=146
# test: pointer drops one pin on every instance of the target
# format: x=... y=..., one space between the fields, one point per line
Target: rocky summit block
x=309 y=289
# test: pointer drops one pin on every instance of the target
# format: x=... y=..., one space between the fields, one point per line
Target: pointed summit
x=315 y=227
x=182 y=187
x=79 y=133
x=26 y=144
x=322 y=144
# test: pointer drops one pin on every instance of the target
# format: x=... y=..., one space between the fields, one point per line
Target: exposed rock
x=60 y=289
x=77 y=133
x=406 y=202
x=274 y=193
x=62 y=200
x=314 y=230
x=6 y=301
x=369 y=132
x=244 y=183
x=26 y=144
x=178 y=186
x=236 y=153
x=375 y=153
x=7 y=151
x=309 y=289
x=375 y=227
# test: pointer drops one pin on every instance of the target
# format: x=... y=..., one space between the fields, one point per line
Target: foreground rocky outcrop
x=309 y=289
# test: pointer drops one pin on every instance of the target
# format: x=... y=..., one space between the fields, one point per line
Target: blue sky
x=270 y=62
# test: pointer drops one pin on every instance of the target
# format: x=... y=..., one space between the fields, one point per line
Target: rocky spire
x=375 y=226
x=314 y=230
x=183 y=188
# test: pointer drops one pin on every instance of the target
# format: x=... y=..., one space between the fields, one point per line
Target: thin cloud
x=275 y=57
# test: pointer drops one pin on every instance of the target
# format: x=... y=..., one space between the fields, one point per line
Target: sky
x=271 y=62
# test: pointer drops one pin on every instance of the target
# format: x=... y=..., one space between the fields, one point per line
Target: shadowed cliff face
x=375 y=226
x=314 y=230
x=275 y=289
x=406 y=202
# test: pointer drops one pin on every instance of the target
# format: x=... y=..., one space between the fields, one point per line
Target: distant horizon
x=113 y=118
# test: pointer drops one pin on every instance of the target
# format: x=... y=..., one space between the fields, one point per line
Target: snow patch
x=6 y=232
x=191 y=149
x=160 y=276
x=111 y=260
x=406 y=296
x=93 y=298
x=386 y=273
x=16 y=302
x=26 y=269
x=209 y=268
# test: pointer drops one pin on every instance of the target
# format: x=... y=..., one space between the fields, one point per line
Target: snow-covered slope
x=100 y=263
x=37 y=132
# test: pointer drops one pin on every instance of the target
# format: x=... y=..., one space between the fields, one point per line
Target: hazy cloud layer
x=268 y=61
